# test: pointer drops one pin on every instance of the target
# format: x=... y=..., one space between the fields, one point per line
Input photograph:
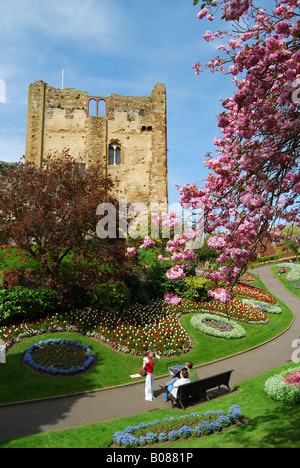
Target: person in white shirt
x=181 y=381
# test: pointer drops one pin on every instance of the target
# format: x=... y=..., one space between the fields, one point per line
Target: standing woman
x=148 y=364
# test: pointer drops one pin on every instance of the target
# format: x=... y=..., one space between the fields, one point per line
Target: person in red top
x=148 y=364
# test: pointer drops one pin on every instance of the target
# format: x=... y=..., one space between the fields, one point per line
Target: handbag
x=142 y=372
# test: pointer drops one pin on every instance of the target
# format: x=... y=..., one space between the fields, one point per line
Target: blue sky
x=114 y=46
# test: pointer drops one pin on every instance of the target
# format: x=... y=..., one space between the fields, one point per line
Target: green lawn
x=114 y=368
x=270 y=425
x=288 y=284
x=9 y=259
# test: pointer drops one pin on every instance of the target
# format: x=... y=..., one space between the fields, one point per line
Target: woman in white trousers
x=148 y=364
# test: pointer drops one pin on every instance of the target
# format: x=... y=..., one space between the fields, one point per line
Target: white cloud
x=93 y=21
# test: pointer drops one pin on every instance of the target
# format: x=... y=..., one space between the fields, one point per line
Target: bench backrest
x=219 y=379
x=200 y=386
x=191 y=389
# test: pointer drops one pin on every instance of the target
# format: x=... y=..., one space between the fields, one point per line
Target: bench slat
x=201 y=387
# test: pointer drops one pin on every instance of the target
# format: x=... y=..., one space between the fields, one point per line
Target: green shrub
x=195 y=288
x=23 y=303
x=138 y=293
x=267 y=259
x=76 y=297
x=110 y=297
x=157 y=283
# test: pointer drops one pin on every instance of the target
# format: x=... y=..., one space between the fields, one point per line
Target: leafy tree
x=50 y=213
x=290 y=239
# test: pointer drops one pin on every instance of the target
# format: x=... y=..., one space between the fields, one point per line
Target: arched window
x=114 y=155
x=92 y=107
x=101 y=108
x=96 y=107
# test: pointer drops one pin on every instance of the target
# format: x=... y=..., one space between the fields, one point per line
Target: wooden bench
x=200 y=387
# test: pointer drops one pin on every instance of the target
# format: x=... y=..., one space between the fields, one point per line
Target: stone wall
x=60 y=119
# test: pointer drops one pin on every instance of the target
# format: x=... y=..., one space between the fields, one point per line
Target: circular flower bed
x=59 y=357
x=285 y=386
x=217 y=326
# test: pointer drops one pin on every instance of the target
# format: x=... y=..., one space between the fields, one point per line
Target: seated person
x=172 y=385
x=193 y=376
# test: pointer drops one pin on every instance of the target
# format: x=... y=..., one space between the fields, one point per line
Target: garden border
x=142 y=381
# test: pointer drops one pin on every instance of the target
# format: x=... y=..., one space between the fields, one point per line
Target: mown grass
x=287 y=284
x=17 y=383
x=271 y=424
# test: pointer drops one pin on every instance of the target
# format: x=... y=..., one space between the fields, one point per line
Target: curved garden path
x=21 y=419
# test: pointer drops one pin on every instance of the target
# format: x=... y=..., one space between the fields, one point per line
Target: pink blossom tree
x=255 y=178
x=254 y=181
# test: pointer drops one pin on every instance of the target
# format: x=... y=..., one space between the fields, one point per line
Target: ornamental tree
x=252 y=189
x=50 y=214
x=255 y=178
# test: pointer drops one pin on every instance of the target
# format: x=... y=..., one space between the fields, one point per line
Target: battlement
x=127 y=134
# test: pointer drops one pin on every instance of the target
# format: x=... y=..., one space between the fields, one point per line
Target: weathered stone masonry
x=129 y=136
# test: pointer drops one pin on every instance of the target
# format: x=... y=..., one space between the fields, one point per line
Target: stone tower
x=127 y=134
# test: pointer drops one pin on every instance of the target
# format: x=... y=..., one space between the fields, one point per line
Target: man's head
x=188 y=365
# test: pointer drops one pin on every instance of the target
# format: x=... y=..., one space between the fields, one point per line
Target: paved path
x=27 y=418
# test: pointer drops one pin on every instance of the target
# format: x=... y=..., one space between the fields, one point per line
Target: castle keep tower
x=127 y=134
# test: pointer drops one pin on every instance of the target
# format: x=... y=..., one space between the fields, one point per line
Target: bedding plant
x=140 y=327
x=285 y=386
x=219 y=327
x=173 y=429
x=131 y=332
x=59 y=357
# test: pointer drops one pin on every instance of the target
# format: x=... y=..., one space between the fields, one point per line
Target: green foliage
x=267 y=259
x=138 y=293
x=110 y=297
x=157 y=284
x=24 y=303
x=207 y=2
x=195 y=288
x=206 y=253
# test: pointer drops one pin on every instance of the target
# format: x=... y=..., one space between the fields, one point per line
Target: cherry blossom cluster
x=254 y=179
x=179 y=249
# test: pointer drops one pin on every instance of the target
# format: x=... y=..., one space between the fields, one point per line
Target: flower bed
x=173 y=429
x=246 y=278
x=293 y=379
x=132 y=331
x=214 y=326
x=16 y=333
x=63 y=357
x=293 y=275
x=253 y=292
x=137 y=329
x=285 y=386
x=264 y=306
x=234 y=310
